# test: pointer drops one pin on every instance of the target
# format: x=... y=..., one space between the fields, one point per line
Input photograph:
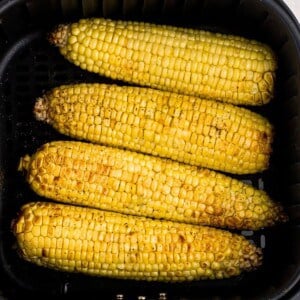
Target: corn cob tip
x=24 y=163
x=58 y=37
x=254 y=258
x=41 y=109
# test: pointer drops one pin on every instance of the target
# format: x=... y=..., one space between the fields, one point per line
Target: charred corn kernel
x=144 y=185
x=138 y=251
x=199 y=132
x=188 y=61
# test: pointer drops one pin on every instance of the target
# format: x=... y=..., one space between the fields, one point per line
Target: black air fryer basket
x=29 y=66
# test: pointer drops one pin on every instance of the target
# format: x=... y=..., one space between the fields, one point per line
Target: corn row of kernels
x=167 y=36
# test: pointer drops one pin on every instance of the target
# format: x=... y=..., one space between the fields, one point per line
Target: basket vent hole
x=261 y=185
x=247 y=233
x=263 y=241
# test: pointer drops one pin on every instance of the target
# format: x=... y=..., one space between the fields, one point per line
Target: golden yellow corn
x=137 y=184
x=194 y=62
x=99 y=243
x=184 y=128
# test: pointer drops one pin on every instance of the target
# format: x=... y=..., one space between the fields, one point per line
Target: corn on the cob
x=199 y=132
x=95 y=242
x=188 y=61
x=137 y=184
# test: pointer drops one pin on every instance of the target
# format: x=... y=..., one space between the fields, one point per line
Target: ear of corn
x=188 y=61
x=95 y=242
x=137 y=184
x=199 y=132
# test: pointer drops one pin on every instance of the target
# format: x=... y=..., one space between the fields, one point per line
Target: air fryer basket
x=29 y=66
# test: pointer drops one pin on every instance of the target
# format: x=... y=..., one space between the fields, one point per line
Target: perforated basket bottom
x=35 y=69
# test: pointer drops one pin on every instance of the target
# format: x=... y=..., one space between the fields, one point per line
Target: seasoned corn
x=99 y=243
x=137 y=184
x=199 y=132
x=188 y=61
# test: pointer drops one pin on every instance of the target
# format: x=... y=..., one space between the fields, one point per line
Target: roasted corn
x=199 y=132
x=189 y=61
x=137 y=184
x=99 y=243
